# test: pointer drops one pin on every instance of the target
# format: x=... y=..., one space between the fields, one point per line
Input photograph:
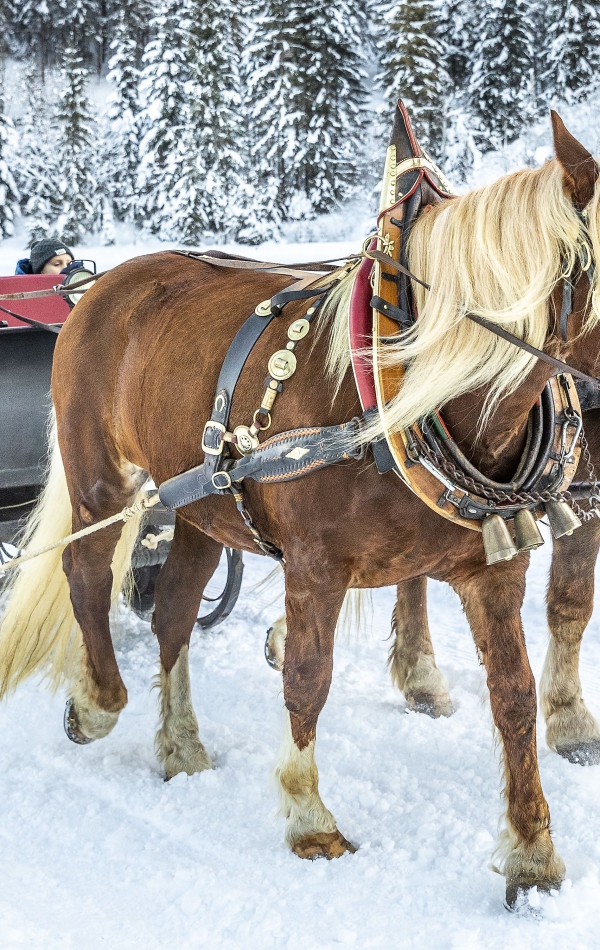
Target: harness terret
x=424 y=456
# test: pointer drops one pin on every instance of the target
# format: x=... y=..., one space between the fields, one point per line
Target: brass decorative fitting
x=245 y=442
x=268 y=399
x=298 y=329
x=282 y=364
x=263 y=309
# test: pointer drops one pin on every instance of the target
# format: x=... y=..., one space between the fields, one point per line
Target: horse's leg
x=191 y=562
x=571 y=730
x=97 y=692
x=412 y=662
x=312 y=608
x=492 y=601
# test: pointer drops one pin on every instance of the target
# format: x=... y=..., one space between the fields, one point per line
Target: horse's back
x=142 y=351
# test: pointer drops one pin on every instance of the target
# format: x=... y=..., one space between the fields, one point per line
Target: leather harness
x=550 y=458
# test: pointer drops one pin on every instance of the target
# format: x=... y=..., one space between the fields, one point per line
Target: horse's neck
x=497 y=450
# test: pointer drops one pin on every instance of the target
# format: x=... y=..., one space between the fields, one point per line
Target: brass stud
x=263 y=309
x=298 y=329
x=282 y=364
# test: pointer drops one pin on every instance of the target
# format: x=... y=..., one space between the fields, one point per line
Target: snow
x=98 y=851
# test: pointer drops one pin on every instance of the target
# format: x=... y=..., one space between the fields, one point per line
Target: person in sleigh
x=49 y=256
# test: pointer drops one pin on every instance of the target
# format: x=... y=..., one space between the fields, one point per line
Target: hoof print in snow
x=581 y=753
x=322 y=845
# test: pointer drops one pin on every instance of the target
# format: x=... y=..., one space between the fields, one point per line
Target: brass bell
x=497 y=541
x=528 y=536
x=563 y=519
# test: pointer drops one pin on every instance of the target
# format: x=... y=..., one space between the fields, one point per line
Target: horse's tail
x=38 y=630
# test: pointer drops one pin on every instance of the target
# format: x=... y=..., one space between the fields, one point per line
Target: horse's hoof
x=322 y=845
x=192 y=764
x=270 y=655
x=517 y=900
x=71 y=724
x=434 y=706
x=581 y=753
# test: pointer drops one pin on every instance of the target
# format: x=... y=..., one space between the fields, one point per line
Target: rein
x=559 y=365
x=59 y=290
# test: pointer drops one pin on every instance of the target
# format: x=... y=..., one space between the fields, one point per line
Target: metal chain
x=594 y=496
x=522 y=498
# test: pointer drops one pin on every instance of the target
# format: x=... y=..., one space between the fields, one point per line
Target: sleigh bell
x=497 y=541
x=528 y=536
x=563 y=519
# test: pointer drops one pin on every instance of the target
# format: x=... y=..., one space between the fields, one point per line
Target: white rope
x=125 y=515
x=152 y=541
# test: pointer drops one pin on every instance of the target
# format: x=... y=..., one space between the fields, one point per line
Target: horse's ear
x=580 y=170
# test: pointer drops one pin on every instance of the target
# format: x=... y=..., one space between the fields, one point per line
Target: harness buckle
x=226 y=481
x=219 y=428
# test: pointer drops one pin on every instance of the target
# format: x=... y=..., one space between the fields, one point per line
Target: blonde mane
x=497 y=251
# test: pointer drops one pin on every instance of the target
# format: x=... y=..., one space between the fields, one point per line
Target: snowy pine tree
x=103 y=174
x=35 y=24
x=414 y=67
x=502 y=93
x=163 y=119
x=122 y=142
x=206 y=196
x=76 y=183
x=304 y=66
x=572 y=50
x=37 y=171
x=9 y=196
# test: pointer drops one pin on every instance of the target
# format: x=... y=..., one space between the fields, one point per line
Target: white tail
x=39 y=630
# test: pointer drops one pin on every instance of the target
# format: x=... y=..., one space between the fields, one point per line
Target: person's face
x=56 y=264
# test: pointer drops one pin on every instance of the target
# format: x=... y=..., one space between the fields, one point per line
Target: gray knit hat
x=42 y=251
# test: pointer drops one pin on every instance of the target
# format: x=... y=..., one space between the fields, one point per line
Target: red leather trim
x=404 y=197
x=440 y=191
x=361 y=333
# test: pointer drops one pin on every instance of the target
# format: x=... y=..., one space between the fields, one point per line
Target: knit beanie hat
x=42 y=251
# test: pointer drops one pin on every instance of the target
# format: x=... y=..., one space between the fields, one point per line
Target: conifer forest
x=200 y=119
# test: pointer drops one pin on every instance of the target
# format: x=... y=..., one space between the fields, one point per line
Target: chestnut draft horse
x=134 y=379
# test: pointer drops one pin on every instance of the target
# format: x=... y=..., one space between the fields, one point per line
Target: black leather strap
x=282 y=458
x=394 y=313
x=558 y=365
x=278 y=301
x=566 y=307
x=237 y=354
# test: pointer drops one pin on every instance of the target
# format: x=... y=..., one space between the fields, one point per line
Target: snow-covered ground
x=98 y=851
